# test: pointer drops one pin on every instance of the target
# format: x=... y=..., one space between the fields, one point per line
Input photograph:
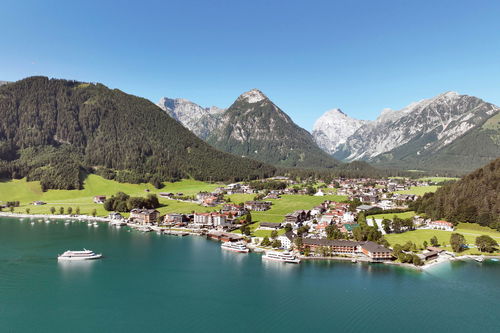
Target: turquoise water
x=152 y=283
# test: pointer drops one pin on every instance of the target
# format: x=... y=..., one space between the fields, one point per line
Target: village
x=331 y=229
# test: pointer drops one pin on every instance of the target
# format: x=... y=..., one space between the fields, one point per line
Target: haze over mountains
x=447 y=132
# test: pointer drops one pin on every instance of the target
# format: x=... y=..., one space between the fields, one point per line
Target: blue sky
x=307 y=56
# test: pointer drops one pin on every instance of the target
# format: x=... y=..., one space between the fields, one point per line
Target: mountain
x=333 y=128
x=475 y=198
x=3 y=82
x=199 y=120
x=436 y=133
x=255 y=127
x=56 y=131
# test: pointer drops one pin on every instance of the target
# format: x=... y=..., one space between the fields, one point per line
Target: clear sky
x=307 y=56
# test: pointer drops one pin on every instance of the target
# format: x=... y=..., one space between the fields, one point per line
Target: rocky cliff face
x=421 y=132
x=333 y=128
x=255 y=127
x=428 y=126
x=199 y=120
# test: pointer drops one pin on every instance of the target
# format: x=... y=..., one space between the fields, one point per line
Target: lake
x=157 y=283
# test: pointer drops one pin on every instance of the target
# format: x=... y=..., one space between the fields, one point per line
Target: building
x=233 y=209
x=115 y=216
x=210 y=219
x=337 y=246
x=375 y=251
x=144 y=216
x=38 y=203
x=286 y=240
x=441 y=225
x=258 y=206
x=298 y=216
x=269 y=226
x=173 y=218
x=99 y=199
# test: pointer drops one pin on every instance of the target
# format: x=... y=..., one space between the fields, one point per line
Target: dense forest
x=474 y=198
x=57 y=131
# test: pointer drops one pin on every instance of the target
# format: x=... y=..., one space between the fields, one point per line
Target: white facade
x=285 y=242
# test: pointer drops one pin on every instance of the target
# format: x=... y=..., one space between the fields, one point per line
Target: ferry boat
x=235 y=247
x=79 y=255
x=286 y=257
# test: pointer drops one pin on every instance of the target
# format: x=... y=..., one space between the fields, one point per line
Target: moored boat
x=285 y=257
x=235 y=247
x=79 y=255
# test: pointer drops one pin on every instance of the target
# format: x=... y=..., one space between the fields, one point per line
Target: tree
x=486 y=244
x=299 y=243
x=274 y=234
x=52 y=210
x=77 y=210
x=27 y=210
x=434 y=241
x=310 y=190
x=248 y=218
x=333 y=232
x=94 y=212
x=11 y=208
x=70 y=210
x=276 y=243
x=265 y=241
x=457 y=242
x=245 y=230
x=425 y=244
x=288 y=227
x=386 y=225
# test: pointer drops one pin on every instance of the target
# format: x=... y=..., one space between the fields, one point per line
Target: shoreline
x=55 y=217
x=422 y=268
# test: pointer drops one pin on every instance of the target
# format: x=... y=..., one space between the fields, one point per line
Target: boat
x=286 y=257
x=79 y=255
x=479 y=258
x=235 y=247
x=144 y=229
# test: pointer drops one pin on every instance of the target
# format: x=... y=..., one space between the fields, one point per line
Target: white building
x=286 y=240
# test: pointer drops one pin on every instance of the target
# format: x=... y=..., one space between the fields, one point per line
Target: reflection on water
x=76 y=268
x=233 y=258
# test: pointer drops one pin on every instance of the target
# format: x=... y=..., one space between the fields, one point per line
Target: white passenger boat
x=235 y=247
x=79 y=255
x=479 y=258
x=286 y=257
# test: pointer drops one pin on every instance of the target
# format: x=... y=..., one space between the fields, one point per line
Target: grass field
x=469 y=230
x=437 y=179
x=419 y=190
x=27 y=192
x=404 y=215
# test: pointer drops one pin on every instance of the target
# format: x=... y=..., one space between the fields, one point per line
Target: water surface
x=153 y=283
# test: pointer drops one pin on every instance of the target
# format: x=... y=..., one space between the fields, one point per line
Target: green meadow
x=419 y=190
x=469 y=230
x=405 y=215
x=27 y=192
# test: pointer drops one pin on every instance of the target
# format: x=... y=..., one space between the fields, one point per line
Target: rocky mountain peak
x=333 y=128
x=252 y=96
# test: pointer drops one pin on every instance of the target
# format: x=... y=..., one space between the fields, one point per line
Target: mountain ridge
x=56 y=130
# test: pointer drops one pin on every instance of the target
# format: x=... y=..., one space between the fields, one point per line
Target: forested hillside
x=56 y=131
x=475 y=198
